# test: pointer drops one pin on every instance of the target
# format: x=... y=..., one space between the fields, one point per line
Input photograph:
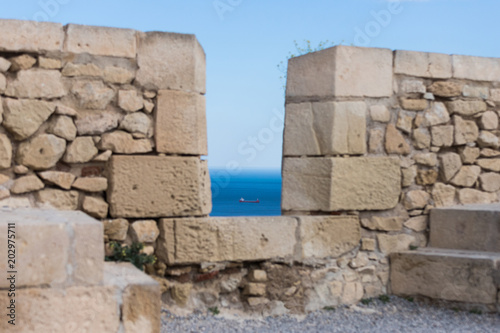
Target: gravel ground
x=397 y=315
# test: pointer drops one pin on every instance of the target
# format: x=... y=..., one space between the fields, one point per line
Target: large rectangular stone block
x=423 y=64
x=476 y=68
x=451 y=275
x=325 y=128
x=103 y=41
x=469 y=227
x=158 y=186
x=55 y=310
x=328 y=236
x=299 y=136
x=30 y=36
x=341 y=71
x=53 y=247
x=333 y=184
x=181 y=123
x=195 y=240
x=171 y=61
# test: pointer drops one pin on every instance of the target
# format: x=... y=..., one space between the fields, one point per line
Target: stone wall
x=104 y=120
x=112 y=122
x=384 y=136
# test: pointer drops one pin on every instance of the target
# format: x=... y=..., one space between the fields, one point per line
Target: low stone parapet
x=289 y=239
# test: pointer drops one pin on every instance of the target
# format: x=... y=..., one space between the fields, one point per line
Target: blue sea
x=229 y=188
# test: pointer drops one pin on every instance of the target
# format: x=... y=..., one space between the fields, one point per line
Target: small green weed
x=413 y=247
x=384 y=299
x=455 y=309
x=130 y=254
x=366 y=301
x=214 y=310
x=410 y=299
x=329 y=308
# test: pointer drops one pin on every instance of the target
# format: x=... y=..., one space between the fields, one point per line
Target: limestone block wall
x=104 y=120
x=384 y=136
x=381 y=133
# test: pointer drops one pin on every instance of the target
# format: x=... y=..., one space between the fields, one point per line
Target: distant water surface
x=249 y=184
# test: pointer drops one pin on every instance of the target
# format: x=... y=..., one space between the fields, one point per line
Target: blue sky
x=246 y=39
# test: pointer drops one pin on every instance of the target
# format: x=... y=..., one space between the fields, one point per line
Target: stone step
x=451 y=275
x=55 y=248
x=469 y=227
x=127 y=300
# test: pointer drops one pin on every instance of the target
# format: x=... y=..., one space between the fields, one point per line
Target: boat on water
x=249 y=201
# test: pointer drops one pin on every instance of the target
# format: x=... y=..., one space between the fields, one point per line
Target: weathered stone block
x=22 y=62
x=31 y=36
x=331 y=184
x=181 y=123
x=48 y=242
x=392 y=223
x=195 y=240
x=27 y=184
x=141 y=298
x=331 y=236
x=145 y=231
x=395 y=243
x=325 y=128
x=445 y=274
x=41 y=152
x=116 y=229
x=93 y=95
x=124 y=143
x=97 y=123
x=471 y=227
x=421 y=64
x=103 y=41
x=340 y=127
x=58 y=199
x=91 y=309
x=170 y=61
x=37 y=83
x=158 y=186
x=23 y=117
x=476 y=68
x=5 y=151
x=341 y=71
x=299 y=136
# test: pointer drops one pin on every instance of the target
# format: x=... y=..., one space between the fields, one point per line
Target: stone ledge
x=423 y=64
x=451 y=275
x=60 y=248
x=101 y=41
x=192 y=240
x=215 y=239
x=476 y=68
x=31 y=36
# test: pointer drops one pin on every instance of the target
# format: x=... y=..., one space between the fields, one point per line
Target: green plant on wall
x=130 y=254
x=300 y=49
